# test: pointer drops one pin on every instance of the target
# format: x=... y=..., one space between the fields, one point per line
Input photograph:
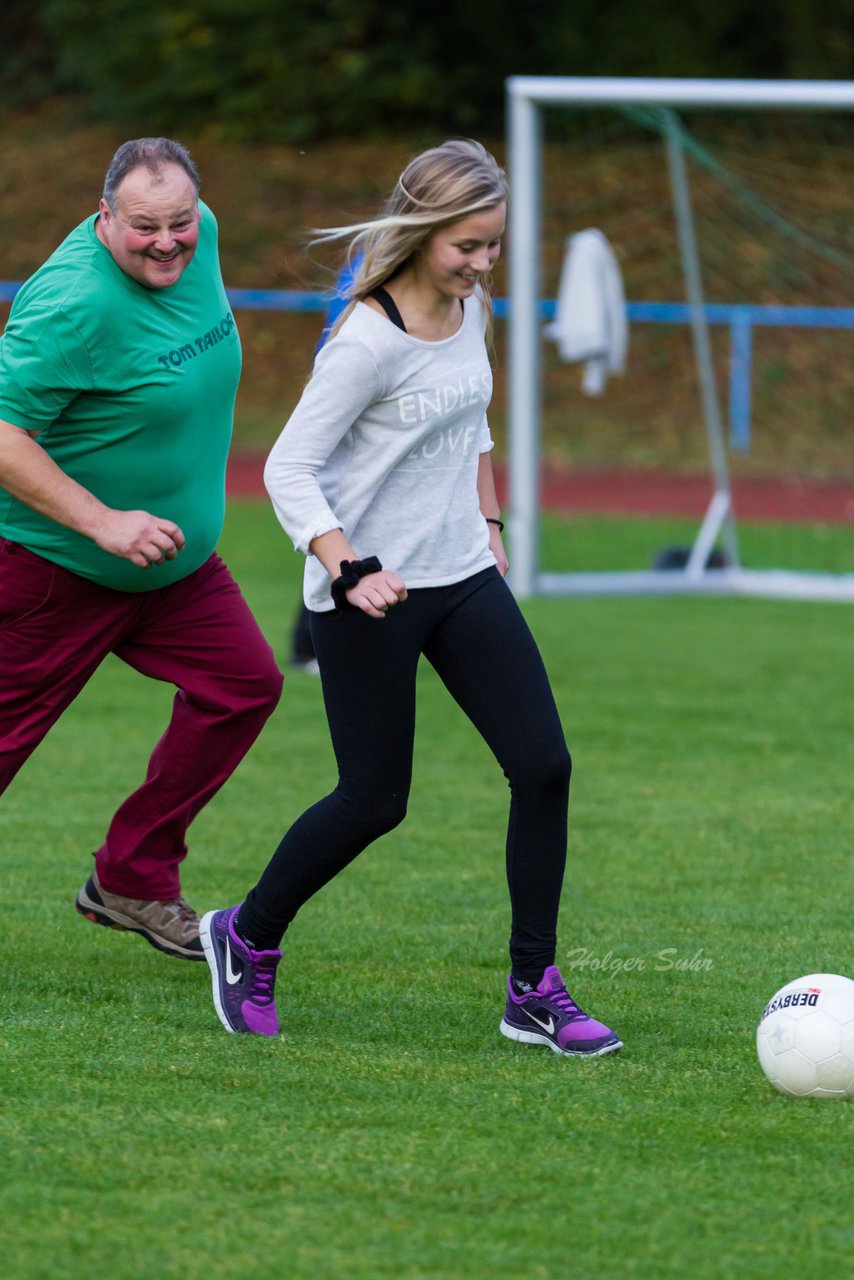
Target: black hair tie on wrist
x=352 y=571
x=492 y=520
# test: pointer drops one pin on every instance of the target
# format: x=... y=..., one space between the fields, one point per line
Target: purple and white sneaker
x=547 y=1014
x=243 y=979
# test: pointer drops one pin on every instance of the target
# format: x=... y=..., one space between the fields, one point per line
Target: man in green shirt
x=118 y=374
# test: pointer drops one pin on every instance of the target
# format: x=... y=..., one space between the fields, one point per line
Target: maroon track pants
x=198 y=634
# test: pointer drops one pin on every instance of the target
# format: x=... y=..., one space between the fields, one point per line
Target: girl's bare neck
x=427 y=314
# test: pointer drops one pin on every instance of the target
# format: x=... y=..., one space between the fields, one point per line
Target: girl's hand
x=496 y=546
x=376 y=593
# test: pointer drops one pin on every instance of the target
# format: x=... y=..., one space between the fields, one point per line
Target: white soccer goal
x=776 y=269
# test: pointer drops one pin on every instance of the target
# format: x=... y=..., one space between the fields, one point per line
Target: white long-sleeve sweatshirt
x=384 y=444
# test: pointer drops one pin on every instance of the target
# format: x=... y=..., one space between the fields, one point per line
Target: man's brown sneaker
x=171 y=926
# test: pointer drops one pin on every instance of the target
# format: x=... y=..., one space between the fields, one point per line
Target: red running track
x=648 y=493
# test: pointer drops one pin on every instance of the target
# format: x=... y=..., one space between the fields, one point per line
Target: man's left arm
x=29 y=474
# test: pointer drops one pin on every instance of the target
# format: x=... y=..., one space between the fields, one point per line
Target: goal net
x=728 y=206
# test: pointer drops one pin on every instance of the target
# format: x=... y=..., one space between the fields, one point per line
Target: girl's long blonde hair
x=437 y=187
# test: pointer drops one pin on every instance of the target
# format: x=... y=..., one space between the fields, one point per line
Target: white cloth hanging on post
x=590 y=324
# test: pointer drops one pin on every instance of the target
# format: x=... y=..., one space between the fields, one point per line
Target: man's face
x=153 y=228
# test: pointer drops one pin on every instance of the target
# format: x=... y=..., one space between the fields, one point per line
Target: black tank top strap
x=388 y=304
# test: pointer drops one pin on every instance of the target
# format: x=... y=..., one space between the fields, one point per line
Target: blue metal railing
x=741 y=318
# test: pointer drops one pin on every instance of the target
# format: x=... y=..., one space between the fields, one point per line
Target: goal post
x=528 y=97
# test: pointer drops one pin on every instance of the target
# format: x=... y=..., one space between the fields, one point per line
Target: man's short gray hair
x=146 y=153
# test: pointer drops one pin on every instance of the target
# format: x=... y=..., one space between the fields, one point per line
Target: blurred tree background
x=294 y=70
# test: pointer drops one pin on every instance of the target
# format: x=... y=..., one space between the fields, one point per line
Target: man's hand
x=376 y=593
x=137 y=536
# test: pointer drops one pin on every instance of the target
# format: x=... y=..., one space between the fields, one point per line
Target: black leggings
x=475 y=637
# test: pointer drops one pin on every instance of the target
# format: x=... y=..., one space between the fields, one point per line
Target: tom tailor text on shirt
x=189 y=350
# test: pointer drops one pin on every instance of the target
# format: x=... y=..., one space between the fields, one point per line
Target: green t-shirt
x=132 y=391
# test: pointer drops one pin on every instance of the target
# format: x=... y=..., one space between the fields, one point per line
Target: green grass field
x=391 y=1132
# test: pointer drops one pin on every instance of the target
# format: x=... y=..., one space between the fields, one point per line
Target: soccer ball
x=805 y=1037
